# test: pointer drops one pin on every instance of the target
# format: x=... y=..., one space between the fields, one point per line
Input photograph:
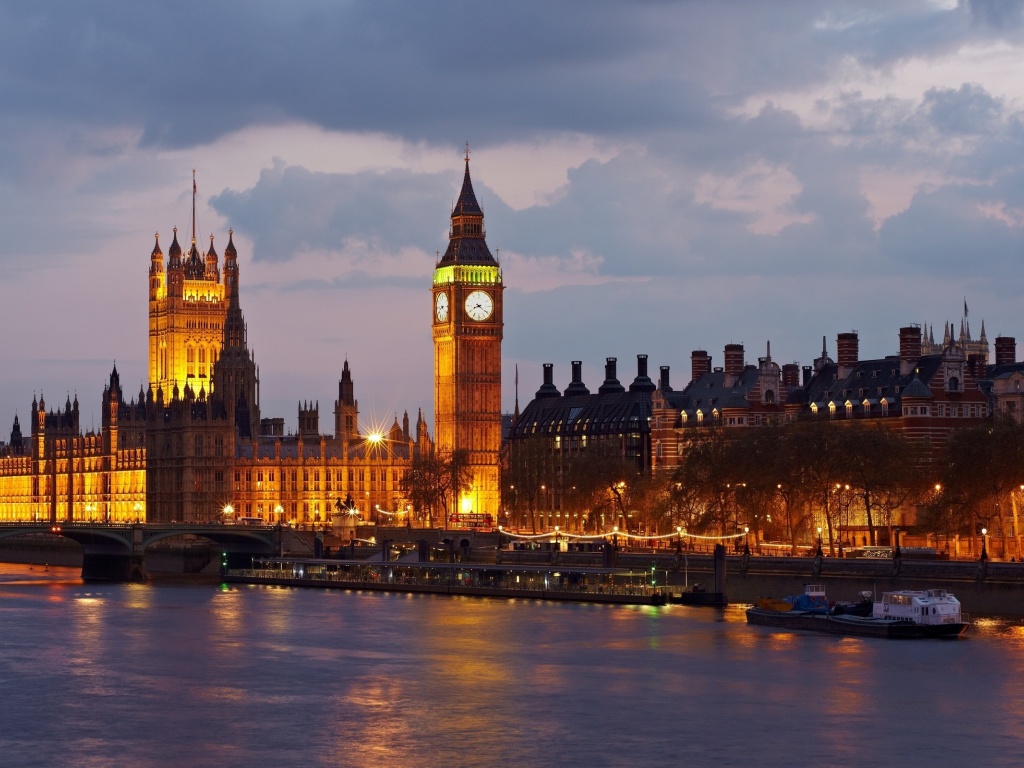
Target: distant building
x=193 y=447
x=923 y=396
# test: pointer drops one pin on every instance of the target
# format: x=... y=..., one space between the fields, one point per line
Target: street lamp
x=984 y=544
x=137 y=509
x=746 y=539
x=818 y=552
x=279 y=511
x=228 y=510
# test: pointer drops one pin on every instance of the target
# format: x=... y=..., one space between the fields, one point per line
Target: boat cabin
x=931 y=606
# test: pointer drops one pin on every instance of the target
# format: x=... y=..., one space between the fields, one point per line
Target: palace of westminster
x=194 y=446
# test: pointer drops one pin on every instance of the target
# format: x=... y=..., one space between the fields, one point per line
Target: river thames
x=184 y=674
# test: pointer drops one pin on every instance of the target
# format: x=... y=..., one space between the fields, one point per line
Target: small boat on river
x=899 y=615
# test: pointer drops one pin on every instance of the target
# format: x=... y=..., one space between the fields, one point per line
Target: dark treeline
x=854 y=482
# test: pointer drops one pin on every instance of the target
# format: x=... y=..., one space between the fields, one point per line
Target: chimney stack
x=642 y=382
x=808 y=374
x=611 y=383
x=791 y=375
x=700 y=363
x=548 y=388
x=847 y=352
x=1006 y=350
x=733 y=360
x=910 y=348
x=576 y=386
x=663 y=383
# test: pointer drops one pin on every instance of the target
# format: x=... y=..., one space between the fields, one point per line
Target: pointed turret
x=16 y=442
x=212 y=270
x=467 y=242
x=156 y=257
x=231 y=267
x=174 y=252
x=194 y=266
x=346 y=409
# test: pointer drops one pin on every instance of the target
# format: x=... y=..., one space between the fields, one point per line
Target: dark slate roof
x=467 y=250
x=709 y=391
x=467 y=204
x=608 y=414
x=875 y=379
x=916 y=389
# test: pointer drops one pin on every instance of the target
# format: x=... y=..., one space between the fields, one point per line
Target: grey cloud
x=293 y=209
x=488 y=71
x=944 y=233
x=998 y=14
x=969 y=109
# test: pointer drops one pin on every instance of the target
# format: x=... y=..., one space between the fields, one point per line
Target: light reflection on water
x=172 y=675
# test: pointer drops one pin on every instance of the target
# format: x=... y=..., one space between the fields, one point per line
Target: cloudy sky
x=657 y=176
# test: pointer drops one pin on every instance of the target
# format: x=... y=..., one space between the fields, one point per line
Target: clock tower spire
x=467 y=318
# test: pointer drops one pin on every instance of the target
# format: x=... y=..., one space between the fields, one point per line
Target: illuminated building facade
x=468 y=325
x=59 y=473
x=191 y=447
x=188 y=309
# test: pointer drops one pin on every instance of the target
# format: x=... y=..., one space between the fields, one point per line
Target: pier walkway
x=551 y=582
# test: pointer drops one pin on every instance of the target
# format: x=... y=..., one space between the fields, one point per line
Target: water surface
x=177 y=674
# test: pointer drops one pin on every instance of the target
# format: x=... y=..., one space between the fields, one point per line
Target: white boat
x=935 y=611
x=900 y=614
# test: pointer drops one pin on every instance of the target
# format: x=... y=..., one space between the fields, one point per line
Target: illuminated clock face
x=441 y=307
x=479 y=305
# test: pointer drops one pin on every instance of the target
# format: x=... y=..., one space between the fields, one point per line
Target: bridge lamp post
x=137 y=509
x=229 y=511
x=279 y=511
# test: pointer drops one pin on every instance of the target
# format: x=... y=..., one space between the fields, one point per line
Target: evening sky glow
x=657 y=177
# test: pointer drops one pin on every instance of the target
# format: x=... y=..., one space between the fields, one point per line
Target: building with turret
x=190 y=448
x=468 y=324
x=60 y=473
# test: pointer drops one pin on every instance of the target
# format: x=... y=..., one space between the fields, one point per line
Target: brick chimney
x=847 y=353
x=700 y=363
x=910 y=348
x=791 y=375
x=733 y=360
x=1006 y=350
x=976 y=364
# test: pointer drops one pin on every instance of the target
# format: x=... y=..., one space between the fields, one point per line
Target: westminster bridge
x=117 y=551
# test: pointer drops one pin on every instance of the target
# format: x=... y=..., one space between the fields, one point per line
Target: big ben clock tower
x=467 y=320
